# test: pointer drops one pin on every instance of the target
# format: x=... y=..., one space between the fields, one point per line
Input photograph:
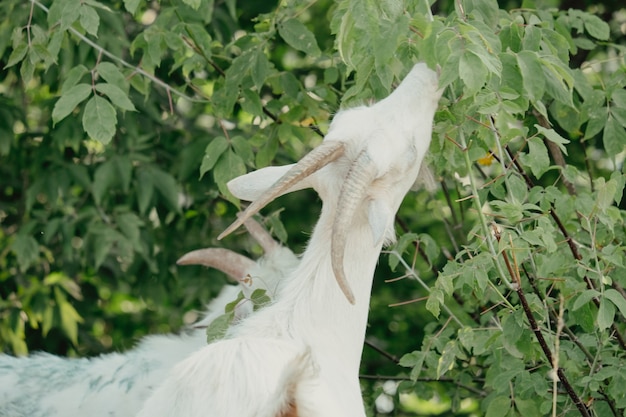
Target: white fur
x=116 y=385
x=305 y=349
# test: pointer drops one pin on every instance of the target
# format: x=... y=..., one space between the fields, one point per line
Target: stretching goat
x=118 y=384
x=299 y=357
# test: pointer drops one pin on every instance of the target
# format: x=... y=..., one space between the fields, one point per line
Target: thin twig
x=476 y=391
x=555 y=362
x=391 y=357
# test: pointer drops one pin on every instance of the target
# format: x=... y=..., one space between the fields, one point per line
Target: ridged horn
x=310 y=163
x=353 y=191
x=261 y=235
x=232 y=264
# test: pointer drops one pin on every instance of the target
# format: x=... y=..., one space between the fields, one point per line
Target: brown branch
x=515 y=277
x=570 y=242
x=393 y=358
x=555 y=151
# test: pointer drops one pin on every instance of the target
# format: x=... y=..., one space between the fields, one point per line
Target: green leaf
x=73 y=77
x=605 y=194
x=532 y=74
x=17 y=55
x=99 y=119
x=167 y=187
x=201 y=38
x=243 y=149
x=145 y=191
x=447 y=358
x=131 y=5
x=124 y=168
x=614 y=136
x=414 y=360
x=69 y=100
x=68 y=315
x=260 y=69
x=527 y=407
x=299 y=37
x=71 y=13
x=26 y=250
x=104 y=238
x=230 y=307
x=619 y=98
x=472 y=71
x=434 y=302
x=251 y=103
x=27 y=69
x=116 y=95
x=537 y=157
x=596 y=27
x=89 y=19
x=112 y=75
x=260 y=298
x=450 y=70
x=42 y=54
x=584 y=298
x=129 y=225
x=606 y=314
x=194 y=4
x=619 y=113
x=104 y=177
x=617 y=299
x=487 y=10
x=225 y=97
x=212 y=153
x=532 y=38
x=498 y=407
x=229 y=166
x=69 y=286
x=216 y=330
x=556 y=86
x=553 y=137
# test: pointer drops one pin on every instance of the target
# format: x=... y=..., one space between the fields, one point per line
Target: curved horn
x=310 y=163
x=232 y=264
x=352 y=193
x=261 y=235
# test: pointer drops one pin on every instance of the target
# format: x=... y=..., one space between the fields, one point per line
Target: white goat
x=300 y=356
x=118 y=384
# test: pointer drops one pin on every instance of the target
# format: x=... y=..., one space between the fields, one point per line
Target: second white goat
x=117 y=384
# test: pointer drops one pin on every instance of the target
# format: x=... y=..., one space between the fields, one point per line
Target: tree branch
x=122 y=62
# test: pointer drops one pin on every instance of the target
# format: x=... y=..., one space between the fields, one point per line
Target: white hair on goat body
x=300 y=356
x=117 y=384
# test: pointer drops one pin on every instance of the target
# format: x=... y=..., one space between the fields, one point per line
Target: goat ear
x=380 y=218
x=252 y=185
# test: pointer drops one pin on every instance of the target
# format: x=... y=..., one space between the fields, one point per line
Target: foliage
x=121 y=122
